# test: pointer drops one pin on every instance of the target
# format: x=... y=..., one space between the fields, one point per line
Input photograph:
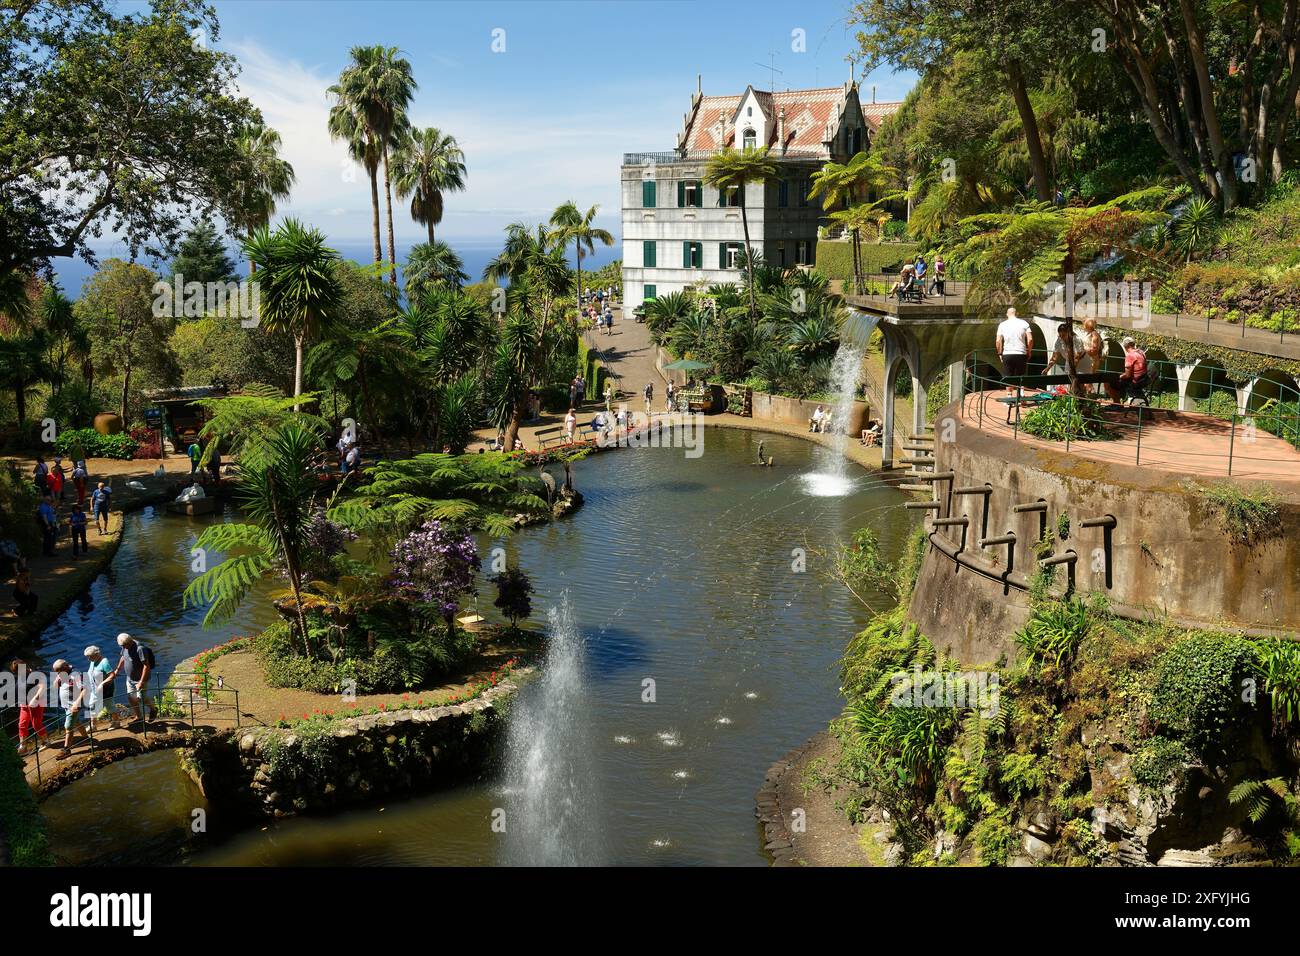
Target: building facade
x=679 y=233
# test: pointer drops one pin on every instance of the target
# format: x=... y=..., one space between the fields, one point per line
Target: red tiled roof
x=877 y=113
x=806 y=114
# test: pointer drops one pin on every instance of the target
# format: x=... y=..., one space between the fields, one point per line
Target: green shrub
x=92 y=444
x=1053 y=633
x=1248 y=516
x=994 y=839
x=1197 y=696
x=1154 y=764
x=1279 y=665
x=1066 y=417
x=835 y=259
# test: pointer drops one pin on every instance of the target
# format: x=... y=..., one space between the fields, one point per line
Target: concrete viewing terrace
x=1184 y=444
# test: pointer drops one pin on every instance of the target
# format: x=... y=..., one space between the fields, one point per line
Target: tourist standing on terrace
x=138 y=662
x=920 y=273
x=1014 y=343
x=582 y=390
x=940 y=275
x=39 y=475
x=570 y=423
x=649 y=393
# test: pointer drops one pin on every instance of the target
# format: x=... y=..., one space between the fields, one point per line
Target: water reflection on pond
x=681 y=571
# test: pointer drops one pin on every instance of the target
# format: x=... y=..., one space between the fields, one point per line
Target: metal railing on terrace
x=1213 y=436
x=188 y=697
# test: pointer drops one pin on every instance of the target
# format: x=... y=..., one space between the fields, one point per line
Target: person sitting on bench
x=871 y=434
x=906 y=283
x=1132 y=383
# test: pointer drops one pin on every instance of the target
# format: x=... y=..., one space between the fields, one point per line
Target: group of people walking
x=52 y=494
x=86 y=698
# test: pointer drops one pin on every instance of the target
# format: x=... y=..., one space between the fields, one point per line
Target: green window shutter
x=648 y=253
x=681 y=193
x=722 y=255
x=686 y=255
x=648 y=194
x=699 y=194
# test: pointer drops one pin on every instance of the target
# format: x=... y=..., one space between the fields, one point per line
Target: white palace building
x=678 y=233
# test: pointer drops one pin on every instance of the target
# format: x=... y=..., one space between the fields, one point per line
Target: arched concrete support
x=1272 y=385
x=956 y=371
x=1184 y=379
x=894 y=363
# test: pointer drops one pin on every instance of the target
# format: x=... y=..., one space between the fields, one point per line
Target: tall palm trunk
x=297 y=369
x=388 y=203
x=430 y=225
x=374 y=213
x=1033 y=139
x=126 y=385
x=20 y=401
x=577 y=249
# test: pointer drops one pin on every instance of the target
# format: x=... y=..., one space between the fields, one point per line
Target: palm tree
x=730 y=169
x=372 y=95
x=848 y=186
x=264 y=179
x=432 y=264
x=539 y=277
x=276 y=490
x=570 y=224
x=300 y=293
x=428 y=164
x=347 y=122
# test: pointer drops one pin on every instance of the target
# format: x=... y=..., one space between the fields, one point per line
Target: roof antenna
x=772 y=70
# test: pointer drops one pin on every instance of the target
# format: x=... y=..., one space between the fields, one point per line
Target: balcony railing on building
x=680 y=156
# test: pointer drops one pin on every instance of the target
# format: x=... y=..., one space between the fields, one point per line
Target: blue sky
x=548 y=119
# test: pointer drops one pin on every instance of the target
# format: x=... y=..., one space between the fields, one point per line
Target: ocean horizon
x=476 y=253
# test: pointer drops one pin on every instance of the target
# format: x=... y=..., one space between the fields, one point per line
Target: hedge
x=835 y=259
x=94 y=445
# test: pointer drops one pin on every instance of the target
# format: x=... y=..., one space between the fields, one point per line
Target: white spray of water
x=551 y=815
x=845 y=372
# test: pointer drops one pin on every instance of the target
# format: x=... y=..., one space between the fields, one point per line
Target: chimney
x=780 y=130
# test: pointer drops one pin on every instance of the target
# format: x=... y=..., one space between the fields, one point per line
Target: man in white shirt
x=815 y=423
x=1014 y=344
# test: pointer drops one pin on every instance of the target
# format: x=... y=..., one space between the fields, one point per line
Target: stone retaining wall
x=284 y=772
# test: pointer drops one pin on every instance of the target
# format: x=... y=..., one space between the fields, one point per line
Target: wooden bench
x=547 y=435
x=910 y=295
x=1040 y=383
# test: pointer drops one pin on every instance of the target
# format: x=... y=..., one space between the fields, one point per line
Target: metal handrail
x=1282 y=425
x=52 y=724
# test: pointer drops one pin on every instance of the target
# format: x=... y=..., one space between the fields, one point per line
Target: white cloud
x=522 y=164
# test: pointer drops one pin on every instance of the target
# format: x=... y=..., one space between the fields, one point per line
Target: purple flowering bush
x=434 y=566
x=324 y=540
